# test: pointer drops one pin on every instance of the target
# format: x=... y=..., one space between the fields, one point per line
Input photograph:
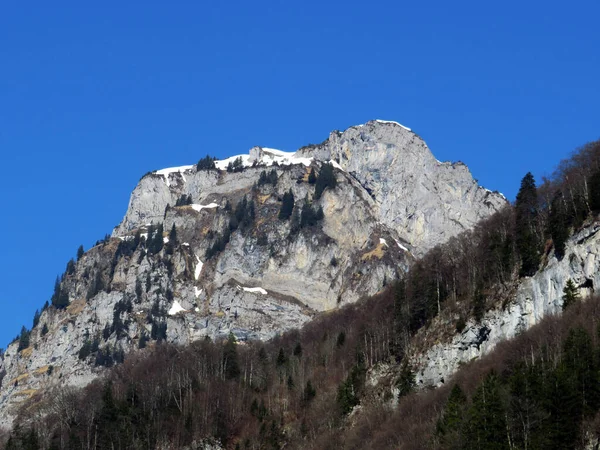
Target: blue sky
x=93 y=97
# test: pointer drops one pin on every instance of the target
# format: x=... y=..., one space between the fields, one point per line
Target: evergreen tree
x=281 y=358
x=325 y=179
x=36 y=318
x=594 y=192
x=80 y=252
x=527 y=243
x=23 y=339
x=231 y=367
x=206 y=163
x=558 y=224
x=309 y=393
x=170 y=247
x=570 y=294
x=449 y=427
x=237 y=165
x=156 y=242
x=44 y=329
x=287 y=206
x=312 y=177
x=486 y=428
x=406 y=381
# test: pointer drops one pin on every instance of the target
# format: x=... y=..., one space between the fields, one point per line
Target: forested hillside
x=345 y=380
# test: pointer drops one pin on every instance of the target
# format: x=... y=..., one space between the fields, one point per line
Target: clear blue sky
x=93 y=97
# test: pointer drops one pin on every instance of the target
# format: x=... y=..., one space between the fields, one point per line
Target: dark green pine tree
x=231 y=367
x=312 y=177
x=406 y=380
x=594 y=192
x=570 y=294
x=486 y=426
x=564 y=408
x=287 y=206
x=527 y=242
x=558 y=224
x=579 y=358
x=170 y=247
x=80 y=252
x=23 y=339
x=449 y=427
x=325 y=179
x=36 y=318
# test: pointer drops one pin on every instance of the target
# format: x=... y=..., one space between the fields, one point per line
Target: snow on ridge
x=199 y=208
x=496 y=192
x=176 y=308
x=223 y=163
x=392 y=122
x=383 y=242
x=255 y=290
x=277 y=152
x=271 y=156
x=170 y=170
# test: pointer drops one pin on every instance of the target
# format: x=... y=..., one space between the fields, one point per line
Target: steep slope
x=535 y=298
x=232 y=265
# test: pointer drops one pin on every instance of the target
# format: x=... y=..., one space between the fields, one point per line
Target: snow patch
x=258 y=290
x=176 y=308
x=197 y=291
x=170 y=170
x=392 y=122
x=199 y=208
x=186 y=244
x=402 y=247
x=383 y=242
x=335 y=164
x=165 y=240
x=198 y=268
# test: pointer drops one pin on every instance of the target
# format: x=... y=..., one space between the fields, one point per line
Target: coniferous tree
x=36 y=318
x=80 y=252
x=406 y=381
x=450 y=425
x=486 y=427
x=206 y=163
x=558 y=225
x=44 y=329
x=527 y=243
x=231 y=367
x=172 y=241
x=23 y=338
x=325 y=179
x=594 y=192
x=312 y=177
x=287 y=206
x=570 y=294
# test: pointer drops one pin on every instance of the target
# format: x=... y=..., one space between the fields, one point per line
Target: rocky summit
x=252 y=245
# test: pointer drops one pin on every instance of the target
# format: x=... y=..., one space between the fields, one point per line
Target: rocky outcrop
x=393 y=200
x=536 y=297
x=426 y=201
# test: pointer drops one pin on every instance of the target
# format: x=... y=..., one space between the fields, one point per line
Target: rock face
x=232 y=265
x=536 y=297
x=425 y=200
